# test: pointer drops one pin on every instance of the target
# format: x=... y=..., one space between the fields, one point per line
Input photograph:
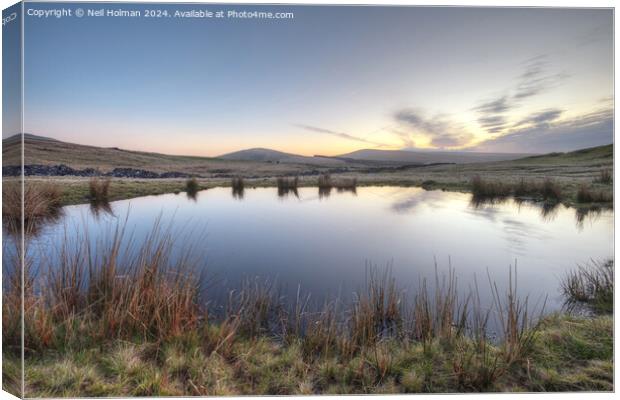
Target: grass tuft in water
x=591 y=285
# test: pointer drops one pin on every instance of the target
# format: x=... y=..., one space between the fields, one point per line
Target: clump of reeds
x=115 y=288
x=192 y=187
x=287 y=185
x=550 y=190
x=347 y=185
x=591 y=285
x=41 y=202
x=605 y=177
x=518 y=328
x=237 y=187
x=525 y=188
x=442 y=315
x=376 y=309
x=486 y=189
x=587 y=195
x=98 y=189
x=325 y=181
x=253 y=306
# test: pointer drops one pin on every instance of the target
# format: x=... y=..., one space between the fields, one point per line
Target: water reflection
x=324 y=245
x=548 y=210
x=238 y=192
x=192 y=194
x=324 y=192
x=238 y=187
x=98 y=208
x=590 y=215
x=285 y=191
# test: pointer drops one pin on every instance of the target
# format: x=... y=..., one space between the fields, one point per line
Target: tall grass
x=587 y=195
x=287 y=185
x=99 y=190
x=191 y=188
x=591 y=285
x=518 y=329
x=238 y=186
x=486 y=189
x=41 y=202
x=548 y=190
x=113 y=288
x=326 y=184
x=325 y=181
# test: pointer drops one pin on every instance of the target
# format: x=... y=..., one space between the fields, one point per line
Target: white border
x=477 y=3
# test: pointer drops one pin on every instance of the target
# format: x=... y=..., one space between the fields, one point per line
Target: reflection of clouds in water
x=587 y=215
x=517 y=233
x=434 y=199
x=487 y=210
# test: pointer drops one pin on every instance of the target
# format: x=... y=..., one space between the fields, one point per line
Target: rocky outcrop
x=64 y=170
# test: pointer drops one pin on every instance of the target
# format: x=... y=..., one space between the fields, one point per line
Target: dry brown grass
x=587 y=195
x=99 y=190
x=41 y=203
x=113 y=288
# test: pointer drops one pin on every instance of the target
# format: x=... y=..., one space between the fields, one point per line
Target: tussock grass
x=41 y=202
x=325 y=181
x=192 y=187
x=326 y=184
x=238 y=187
x=486 y=189
x=591 y=285
x=548 y=190
x=112 y=288
x=98 y=190
x=588 y=195
x=287 y=186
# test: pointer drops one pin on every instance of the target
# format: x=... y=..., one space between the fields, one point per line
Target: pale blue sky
x=331 y=80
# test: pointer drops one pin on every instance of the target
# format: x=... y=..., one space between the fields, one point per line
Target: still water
x=324 y=243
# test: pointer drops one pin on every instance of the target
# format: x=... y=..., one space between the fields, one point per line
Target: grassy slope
x=50 y=152
x=569 y=354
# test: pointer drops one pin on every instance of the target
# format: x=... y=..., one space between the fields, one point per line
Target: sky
x=332 y=80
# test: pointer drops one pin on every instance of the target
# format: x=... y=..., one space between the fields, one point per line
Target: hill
x=429 y=157
x=39 y=150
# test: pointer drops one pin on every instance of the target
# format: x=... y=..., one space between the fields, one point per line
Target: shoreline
x=75 y=190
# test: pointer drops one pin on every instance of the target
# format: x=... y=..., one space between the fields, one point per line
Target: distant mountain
x=429 y=157
x=260 y=154
x=274 y=156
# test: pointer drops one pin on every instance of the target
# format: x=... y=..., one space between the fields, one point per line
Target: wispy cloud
x=442 y=131
x=535 y=79
x=542 y=132
x=541 y=118
x=498 y=105
x=341 y=135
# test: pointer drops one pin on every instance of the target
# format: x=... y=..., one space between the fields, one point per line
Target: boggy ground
x=568 y=354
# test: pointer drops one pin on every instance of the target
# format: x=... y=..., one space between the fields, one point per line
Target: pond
x=325 y=242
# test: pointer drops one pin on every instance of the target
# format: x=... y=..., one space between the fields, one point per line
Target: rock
x=64 y=170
